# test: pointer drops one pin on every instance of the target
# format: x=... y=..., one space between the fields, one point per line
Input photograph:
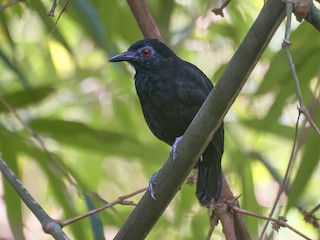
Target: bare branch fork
x=285 y=45
x=279 y=222
x=218 y=10
x=230 y=205
x=310 y=216
x=9 y=4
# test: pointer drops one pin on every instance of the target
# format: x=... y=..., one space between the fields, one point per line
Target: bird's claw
x=152 y=182
x=173 y=152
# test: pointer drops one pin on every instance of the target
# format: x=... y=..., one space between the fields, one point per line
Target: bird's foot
x=173 y=152
x=152 y=182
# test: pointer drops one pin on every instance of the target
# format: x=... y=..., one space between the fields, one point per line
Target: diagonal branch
x=49 y=225
x=120 y=200
x=205 y=123
x=144 y=19
x=9 y=4
x=281 y=221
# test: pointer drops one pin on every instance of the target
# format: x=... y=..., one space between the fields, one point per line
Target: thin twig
x=301 y=108
x=285 y=46
x=279 y=221
x=286 y=177
x=64 y=8
x=144 y=19
x=49 y=225
x=313 y=211
x=310 y=217
x=218 y=11
x=54 y=5
x=9 y=4
x=306 y=113
x=213 y=223
x=227 y=221
x=120 y=200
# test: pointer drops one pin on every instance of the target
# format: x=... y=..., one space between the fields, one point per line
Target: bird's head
x=145 y=54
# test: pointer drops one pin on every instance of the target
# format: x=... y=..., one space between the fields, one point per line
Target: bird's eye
x=146 y=52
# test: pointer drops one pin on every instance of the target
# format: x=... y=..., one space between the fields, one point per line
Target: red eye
x=146 y=52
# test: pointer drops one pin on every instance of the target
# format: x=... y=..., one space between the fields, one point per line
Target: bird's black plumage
x=171 y=91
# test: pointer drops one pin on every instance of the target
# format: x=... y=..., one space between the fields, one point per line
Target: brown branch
x=213 y=224
x=285 y=45
x=310 y=217
x=218 y=10
x=9 y=4
x=239 y=227
x=306 y=113
x=120 y=200
x=232 y=222
x=301 y=108
x=316 y=208
x=144 y=19
x=281 y=221
x=53 y=8
x=64 y=8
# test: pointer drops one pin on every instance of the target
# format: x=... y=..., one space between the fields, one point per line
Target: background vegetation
x=57 y=79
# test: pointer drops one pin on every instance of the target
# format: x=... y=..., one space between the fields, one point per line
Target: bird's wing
x=193 y=86
x=193 y=89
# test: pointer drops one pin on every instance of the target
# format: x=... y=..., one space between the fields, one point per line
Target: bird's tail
x=209 y=181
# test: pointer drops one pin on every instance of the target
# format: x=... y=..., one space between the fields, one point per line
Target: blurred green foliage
x=57 y=78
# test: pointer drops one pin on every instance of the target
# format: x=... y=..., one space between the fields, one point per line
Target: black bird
x=171 y=91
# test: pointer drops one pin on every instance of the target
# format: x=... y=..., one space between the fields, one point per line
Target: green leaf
x=4 y=24
x=21 y=76
x=80 y=135
x=24 y=98
x=250 y=201
x=86 y=14
x=95 y=221
x=262 y=125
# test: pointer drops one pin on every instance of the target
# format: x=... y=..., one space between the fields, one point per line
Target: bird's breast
x=163 y=110
x=160 y=93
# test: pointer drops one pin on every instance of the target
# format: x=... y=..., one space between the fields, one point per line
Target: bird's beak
x=126 y=56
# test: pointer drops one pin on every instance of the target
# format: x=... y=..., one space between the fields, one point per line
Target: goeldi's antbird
x=171 y=91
